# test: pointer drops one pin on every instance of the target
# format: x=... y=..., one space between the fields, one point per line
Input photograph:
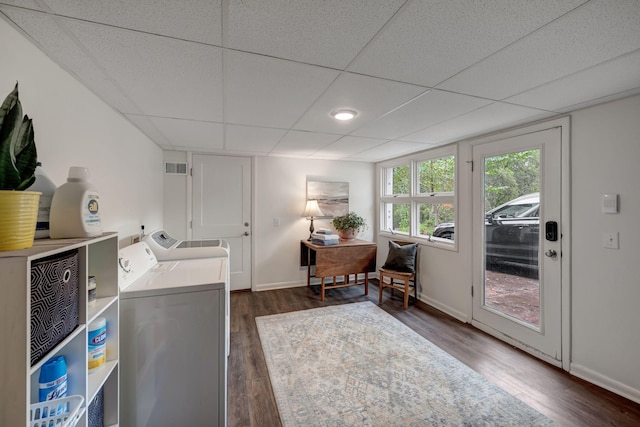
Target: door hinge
x=472 y=292
x=191 y=225
x=190 y=171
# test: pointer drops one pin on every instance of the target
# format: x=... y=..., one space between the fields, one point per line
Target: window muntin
x=397 y=217
x=432 y=214
x=397 y=180
x=436 y=175
x=418 y=196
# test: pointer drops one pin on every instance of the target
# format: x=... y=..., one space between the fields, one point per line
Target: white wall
x=444 y=271
x=606 y=282
x=74 y=128
x=280 y=192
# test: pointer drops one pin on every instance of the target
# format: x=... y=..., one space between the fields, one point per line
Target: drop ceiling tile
x=429 y=41
x=596 y=32
x=196 y=20
x=492 y=117
x=433 y=107
x=251 y=139
x=348 y=146
x=162 y=76
x=31 y=4
x=388 y=150
x=62 y=47
x=328 y=32
x=371 y=97
x=270 y=92
x=150 y=130
x=191 y=134
x=593 y=84
x=299 y=143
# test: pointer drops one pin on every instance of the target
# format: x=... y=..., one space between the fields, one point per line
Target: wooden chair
x=408 y=281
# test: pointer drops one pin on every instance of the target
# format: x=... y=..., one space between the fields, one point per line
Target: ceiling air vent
x=172 y=168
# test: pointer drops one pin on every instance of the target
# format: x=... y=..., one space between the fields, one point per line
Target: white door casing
x=544 y=340
x=221 y=208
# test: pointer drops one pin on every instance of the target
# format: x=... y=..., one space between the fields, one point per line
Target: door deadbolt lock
x=246 y=224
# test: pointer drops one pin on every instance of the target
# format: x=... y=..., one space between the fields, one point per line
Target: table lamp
x=311 y=210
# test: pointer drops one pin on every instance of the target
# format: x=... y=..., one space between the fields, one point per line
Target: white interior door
x=222 y=209
x=517 y=234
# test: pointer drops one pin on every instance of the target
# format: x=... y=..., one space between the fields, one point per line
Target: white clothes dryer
x=166 y=248
x=173 y=346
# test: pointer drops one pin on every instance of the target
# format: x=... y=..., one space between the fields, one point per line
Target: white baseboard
x=605 y=382
x=281 y=285
x=444 y=308
x=518 y=344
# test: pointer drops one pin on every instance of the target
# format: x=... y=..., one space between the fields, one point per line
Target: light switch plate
x=610 y=240
x=609 y=203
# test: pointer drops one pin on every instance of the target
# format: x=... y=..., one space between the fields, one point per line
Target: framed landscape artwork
x=332 y=197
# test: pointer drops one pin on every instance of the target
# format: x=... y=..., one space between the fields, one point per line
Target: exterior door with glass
x=517 y=192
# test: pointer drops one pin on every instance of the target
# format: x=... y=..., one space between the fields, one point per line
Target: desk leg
x=322 y=289
x=308 y=267
x=366 y=283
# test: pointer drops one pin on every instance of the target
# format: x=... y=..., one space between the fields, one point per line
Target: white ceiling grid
x=261 y=77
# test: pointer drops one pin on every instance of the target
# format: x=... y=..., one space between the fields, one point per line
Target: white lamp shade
x=312 y=209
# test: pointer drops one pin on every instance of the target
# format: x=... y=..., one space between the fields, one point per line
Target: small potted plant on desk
x=18 y=157
x=349 y=225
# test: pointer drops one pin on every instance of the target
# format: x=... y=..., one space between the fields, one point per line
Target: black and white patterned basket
x=95 y=413
x=54 y=301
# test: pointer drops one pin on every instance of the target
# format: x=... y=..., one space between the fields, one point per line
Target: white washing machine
x=172 y=340
x=166 y=248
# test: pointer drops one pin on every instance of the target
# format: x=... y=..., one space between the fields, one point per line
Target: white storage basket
x=64 y=412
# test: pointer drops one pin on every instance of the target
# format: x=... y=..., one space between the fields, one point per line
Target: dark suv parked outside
x=511 y=229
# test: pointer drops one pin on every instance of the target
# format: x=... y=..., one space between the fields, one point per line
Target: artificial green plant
x=349 y=222
x=18 y=155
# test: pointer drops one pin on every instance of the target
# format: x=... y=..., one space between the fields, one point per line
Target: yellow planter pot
x=18 y=216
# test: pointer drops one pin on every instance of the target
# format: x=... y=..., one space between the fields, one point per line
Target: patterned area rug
x=356 y=365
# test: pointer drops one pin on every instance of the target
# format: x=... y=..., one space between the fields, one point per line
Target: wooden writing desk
x=344 y=259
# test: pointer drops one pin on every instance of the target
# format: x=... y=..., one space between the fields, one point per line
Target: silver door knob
x=551 y=253
x=246 y=233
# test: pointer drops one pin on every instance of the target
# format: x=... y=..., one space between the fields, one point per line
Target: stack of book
x=324 y=237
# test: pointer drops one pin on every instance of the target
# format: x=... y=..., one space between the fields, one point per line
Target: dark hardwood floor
x=562 y=397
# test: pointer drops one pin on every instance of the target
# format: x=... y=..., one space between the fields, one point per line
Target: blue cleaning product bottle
x=53 y=379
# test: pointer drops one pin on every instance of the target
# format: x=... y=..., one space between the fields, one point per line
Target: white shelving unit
x=18 y=379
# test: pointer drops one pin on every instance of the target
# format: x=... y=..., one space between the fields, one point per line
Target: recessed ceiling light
x=344 y=114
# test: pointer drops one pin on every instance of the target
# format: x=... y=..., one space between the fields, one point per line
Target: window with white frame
x=418 y=197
